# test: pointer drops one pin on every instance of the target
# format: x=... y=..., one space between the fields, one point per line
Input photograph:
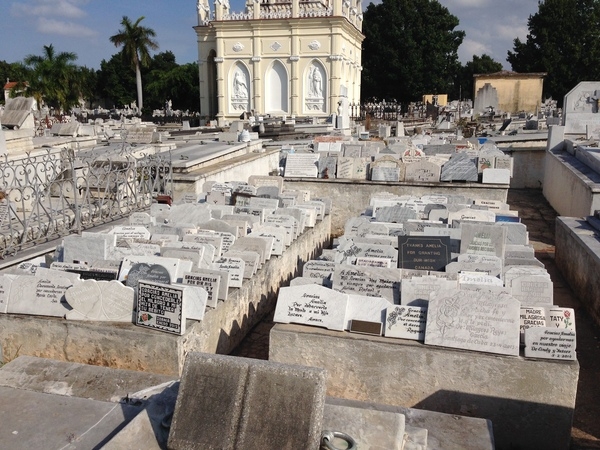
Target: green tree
x=116 y=82
x=564 y=41
x=14 y=72
x=54 y=78
x=170 y=81
x=478 y=65
x=137 y=41
x=410 y=49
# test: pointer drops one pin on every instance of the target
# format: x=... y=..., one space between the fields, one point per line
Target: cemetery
x=405 y=291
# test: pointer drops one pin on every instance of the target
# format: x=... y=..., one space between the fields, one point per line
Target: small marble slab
x=550 y=343
x=405 y=322
x=312 y=305
x=104 y=301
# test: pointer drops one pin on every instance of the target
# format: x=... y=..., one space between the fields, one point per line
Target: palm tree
x=54 y=78
x=136 y=41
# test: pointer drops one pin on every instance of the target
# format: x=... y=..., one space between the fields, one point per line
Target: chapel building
x=297 y=58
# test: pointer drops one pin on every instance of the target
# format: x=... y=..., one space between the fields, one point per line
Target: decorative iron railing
x=53 y=193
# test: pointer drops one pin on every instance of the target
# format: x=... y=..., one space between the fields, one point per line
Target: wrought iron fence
x=53 y=193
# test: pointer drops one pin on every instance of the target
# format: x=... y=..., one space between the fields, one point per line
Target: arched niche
x=315 y=88
x=239 y=88
x=213 y=106
x=277 y=89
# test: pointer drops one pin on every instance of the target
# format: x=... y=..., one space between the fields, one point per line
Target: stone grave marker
x=105 y=301
x=268 y=192
x=394 y=214
x=478 y=278
x=368 y=282
x=452 y=233
x=550 y=343
x=278 y=235
x=533 y=290
x=424 y=252
x=460 y=167
x=260 y=181
x=207 y=281
x=141 y=219
x=251 y=261
x=327 y=167
x=167 y=307
x=213 y=239
x=301 y=165
x=39 y=296
x=260 y=245
x=318 y=269
x=365 y=261
x=219 y=226
x=405 y=322
x=416 y=291
x=361 y=168
x=368 y=309
x=223 y=280
x=474 y=320
x=86 y=249
x=184 y=254
x=286 y=223
x=516 y=233
x=303 y=281
x=483 y=239
x=389 y=174
x=497 y=176
x=345 y=167
x=471 y=215
x=234 y=267
x=422 y=171
x=562 y=318
x=312 y=305
x=130 y=232
x=531 y=317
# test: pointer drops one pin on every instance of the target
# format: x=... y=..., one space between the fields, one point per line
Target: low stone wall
x=578 y=258
x=126 y=346
x=238 y=168
x=351 y=197
x=528 y=166
x=530 y=402
x=571 y=187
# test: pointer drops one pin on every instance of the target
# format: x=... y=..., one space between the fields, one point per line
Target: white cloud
x=507 y=31
x=451 y=4
x=62 y=28
x=470 y=47
x=68 y=9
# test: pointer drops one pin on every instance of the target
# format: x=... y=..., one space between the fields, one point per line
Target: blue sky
x=84 y=26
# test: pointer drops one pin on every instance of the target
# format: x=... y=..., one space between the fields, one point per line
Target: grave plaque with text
x=405 y=322
x=160 y=306
x=424 y=252
x=550 y=343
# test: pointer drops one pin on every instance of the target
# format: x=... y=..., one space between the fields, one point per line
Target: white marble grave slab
x=234 y=267
x=474 y=320
x=312 y=305
x=39 y=296
x=208 y=282
x=405 y=322
x=103 y=301
x=370 y=309
x=550 y=343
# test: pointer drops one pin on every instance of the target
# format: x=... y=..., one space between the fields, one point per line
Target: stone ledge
x=126 y=346
x=530 y=402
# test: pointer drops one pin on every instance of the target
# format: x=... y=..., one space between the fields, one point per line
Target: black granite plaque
x=98 y=275
x=365 y=327
x=424 y=252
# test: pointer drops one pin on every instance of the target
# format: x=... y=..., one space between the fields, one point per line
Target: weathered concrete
x=125 y=346
x=76 y=380
x=244 y=404
x=31 y=420
x=578 y=258
x=351 y=197
x=241 y=167
x=528 y=165
x=530 y=402
x=444 y=431
x=571 y=187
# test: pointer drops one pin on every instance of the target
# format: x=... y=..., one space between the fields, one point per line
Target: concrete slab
x=237 y=403
x=76 y=380
x=444 y=431
x=530 y=402
x=33 y=420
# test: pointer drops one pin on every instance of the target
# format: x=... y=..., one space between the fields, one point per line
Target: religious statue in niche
x=315 y=82
x=240 y=88
x=203 y=10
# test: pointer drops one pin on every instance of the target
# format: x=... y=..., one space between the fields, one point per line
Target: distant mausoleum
x=298 y=57
x=509 y=92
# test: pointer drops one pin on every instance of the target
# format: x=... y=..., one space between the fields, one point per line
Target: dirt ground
x=538 y=215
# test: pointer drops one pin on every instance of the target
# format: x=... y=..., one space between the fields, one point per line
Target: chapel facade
x=298 y=57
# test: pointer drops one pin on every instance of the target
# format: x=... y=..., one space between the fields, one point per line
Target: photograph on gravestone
x=424 y=253
x=160 y=307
